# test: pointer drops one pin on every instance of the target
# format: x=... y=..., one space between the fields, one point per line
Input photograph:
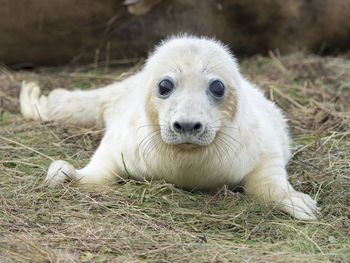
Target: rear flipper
x=80 y=107
x=33 y=106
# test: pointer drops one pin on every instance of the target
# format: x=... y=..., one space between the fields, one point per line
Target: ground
x=156 y=222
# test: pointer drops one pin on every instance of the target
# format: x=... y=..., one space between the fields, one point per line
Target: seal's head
x=193 y=90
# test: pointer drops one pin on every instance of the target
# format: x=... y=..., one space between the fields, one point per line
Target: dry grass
x=156 y=222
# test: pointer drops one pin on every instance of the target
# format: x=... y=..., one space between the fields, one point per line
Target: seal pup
x=188 y=117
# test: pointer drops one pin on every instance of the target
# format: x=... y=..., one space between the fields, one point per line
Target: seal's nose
x=187 y=127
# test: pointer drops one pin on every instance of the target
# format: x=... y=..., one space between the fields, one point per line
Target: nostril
x=177 y=126
x=197 y=127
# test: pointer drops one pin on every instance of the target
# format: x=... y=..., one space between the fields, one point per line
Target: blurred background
x=41 y=32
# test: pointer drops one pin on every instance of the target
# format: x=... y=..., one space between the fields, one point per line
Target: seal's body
x=188 y=117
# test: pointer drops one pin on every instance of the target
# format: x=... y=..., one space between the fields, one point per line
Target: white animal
x=188 y=117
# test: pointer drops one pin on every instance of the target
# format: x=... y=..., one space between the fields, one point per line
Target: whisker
x=227 y=143
x=146 y=138
x=223 y=148
x=148 y=143
x=209 y=60
x=229 y=137
x=149 y=125
x=216 y=121
x=226 y=140
x=218 y=150
x=215 y=66
x=151 y=145
x=223 y=126
x=172 y=60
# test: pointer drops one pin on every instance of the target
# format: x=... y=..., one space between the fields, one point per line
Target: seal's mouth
x=188 y=145
x=187 y=140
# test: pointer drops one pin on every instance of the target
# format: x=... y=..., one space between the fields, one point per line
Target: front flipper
x=100 y=170
x=60 y=172
x=299 y=205
x=269 y=183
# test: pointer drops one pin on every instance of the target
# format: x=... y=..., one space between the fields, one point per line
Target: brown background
x=45 y=32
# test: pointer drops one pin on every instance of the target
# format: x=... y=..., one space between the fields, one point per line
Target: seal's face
x=189 y=115
x=193 y=91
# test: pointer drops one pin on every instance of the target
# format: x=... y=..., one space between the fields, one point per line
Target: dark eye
x=165 y=87
x=217 y=88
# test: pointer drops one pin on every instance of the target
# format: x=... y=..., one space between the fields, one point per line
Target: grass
x=157 y=222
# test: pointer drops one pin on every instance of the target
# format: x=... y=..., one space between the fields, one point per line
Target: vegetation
x=156 y=222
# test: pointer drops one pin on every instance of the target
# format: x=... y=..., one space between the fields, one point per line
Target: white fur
x=246 y=140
